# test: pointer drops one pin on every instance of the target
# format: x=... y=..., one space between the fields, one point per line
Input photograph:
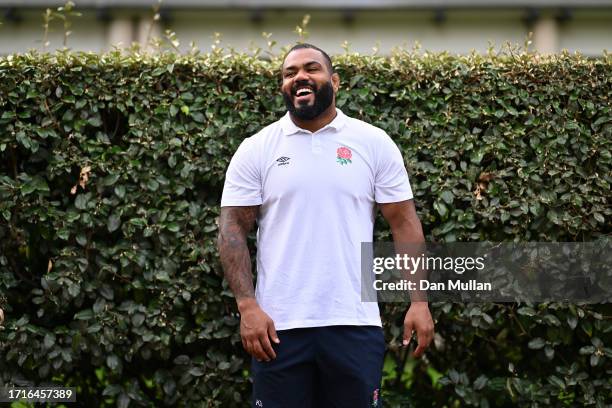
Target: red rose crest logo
x=344 y=155
x=375 y=396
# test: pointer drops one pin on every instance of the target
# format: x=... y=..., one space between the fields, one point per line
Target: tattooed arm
x=256 y=327
x=234 y=226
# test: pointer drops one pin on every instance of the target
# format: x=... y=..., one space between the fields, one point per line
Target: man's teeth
x=303 y=91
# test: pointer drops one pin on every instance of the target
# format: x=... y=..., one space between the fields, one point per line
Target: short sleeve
x=243 y=179
x=391 y=184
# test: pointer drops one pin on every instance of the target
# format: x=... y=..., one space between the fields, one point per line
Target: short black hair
x=300 y=46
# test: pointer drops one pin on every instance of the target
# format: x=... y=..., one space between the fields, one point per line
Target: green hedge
x=115 y=287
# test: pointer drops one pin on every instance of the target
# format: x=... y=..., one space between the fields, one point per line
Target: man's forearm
x=236 y=262
x=234 y=225
x=410 y=241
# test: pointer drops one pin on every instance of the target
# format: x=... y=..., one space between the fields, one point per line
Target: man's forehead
x=303 y=56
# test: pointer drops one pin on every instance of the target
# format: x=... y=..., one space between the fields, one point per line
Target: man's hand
x=418 y=319
x=256 y=330
x=1 y=316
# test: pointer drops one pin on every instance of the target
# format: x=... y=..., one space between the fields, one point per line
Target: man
x=312 y=181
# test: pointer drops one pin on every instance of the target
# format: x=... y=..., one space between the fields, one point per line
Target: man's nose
x=301 y=75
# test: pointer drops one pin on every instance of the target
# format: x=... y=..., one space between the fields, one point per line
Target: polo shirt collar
x=290 y=128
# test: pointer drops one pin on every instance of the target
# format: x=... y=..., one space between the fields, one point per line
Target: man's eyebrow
x=309 y=63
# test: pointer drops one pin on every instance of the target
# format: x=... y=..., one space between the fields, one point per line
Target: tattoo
x=234 y=226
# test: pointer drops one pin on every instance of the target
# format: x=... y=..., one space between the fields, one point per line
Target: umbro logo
x=282 y=161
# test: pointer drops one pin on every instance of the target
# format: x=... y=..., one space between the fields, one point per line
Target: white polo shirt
x=318 y=193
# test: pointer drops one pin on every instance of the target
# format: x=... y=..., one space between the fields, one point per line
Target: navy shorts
x=320 y=367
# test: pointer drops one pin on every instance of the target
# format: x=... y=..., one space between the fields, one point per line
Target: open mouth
x=303 y=93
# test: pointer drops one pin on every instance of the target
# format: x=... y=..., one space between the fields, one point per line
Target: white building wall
x=459 y=31
x=88 y=33
x=587 y=32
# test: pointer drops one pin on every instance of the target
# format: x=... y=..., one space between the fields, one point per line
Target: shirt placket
x=316 y=141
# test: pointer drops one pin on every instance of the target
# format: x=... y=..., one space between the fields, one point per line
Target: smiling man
x=312 y=181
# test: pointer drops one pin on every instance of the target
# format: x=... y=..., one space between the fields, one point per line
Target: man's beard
x=323 y=98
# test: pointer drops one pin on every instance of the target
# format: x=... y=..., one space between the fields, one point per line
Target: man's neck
x=324 y=119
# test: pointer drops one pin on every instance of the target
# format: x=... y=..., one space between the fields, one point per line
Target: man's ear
x=335 y=82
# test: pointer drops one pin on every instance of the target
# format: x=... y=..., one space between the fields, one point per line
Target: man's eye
x=289 y=74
